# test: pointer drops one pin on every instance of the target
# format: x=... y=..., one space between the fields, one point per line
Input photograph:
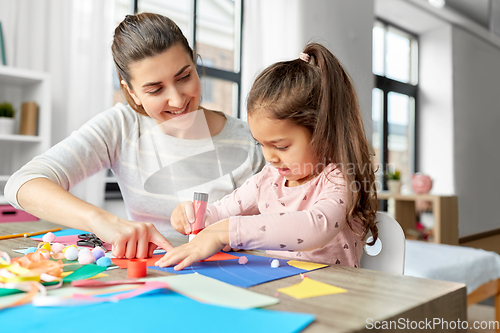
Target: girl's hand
x=182 y=217
x=131 y=239
x=208 y=242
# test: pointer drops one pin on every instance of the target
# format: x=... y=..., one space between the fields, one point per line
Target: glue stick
x=200 y=209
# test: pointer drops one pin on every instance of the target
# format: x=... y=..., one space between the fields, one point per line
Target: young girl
x=316 y=199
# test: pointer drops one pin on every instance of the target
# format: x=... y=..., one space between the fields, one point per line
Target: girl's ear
x=131 y=93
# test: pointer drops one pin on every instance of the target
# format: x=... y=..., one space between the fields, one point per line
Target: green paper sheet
x=84 y=272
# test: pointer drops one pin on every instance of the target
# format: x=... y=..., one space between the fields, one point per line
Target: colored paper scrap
x=84 y=272
x=308 y=266
x=258 y=270
x=152 y=313
x=311 y=288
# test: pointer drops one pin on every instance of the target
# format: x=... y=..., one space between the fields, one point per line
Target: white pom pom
x=275 y=263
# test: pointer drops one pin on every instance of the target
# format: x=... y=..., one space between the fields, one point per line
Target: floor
x=482 y=314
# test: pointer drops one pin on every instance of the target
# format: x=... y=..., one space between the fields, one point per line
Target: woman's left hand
x=208 y=242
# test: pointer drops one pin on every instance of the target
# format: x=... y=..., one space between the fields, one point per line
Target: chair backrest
x=388 y=252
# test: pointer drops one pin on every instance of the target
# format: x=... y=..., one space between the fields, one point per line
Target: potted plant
x=7 y=122
x=393 y=181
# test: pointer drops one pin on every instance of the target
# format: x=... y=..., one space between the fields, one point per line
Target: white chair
x=388 y=252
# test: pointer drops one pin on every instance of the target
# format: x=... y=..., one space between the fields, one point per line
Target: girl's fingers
x=185 y=263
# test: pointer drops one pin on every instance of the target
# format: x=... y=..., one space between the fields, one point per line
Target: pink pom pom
x=57 y=247
x=86 y=258
x=242 y=260
x=49 y=237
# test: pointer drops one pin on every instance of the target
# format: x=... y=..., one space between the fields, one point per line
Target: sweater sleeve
x=303 y=230
x=242 y=201
x=85 y=152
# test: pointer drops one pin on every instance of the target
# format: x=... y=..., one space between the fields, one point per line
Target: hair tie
x=304 y=57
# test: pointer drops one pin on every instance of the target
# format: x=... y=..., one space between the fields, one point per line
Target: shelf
x=20 y=138
x=445 y=211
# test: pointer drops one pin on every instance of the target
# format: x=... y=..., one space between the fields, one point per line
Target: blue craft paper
x=258 y=270
x=164 y=311
x=64 y=232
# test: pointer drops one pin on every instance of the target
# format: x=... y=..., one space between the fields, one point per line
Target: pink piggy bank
x=421 y=183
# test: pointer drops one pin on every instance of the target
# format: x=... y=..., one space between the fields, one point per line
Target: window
x=394 y=99
x=213 y=29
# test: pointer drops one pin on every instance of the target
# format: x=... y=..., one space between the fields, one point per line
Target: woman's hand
x=131 y=239
x=208 y=242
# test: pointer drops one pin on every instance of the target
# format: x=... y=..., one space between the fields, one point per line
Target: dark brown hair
x=141 y=36
x=320 y=96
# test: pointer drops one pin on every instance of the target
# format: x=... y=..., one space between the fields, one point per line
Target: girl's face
x=285 y=146
x=167 y=85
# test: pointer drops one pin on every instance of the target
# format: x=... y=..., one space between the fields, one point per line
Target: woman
x=161 y=147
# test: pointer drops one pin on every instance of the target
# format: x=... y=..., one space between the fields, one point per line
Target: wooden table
x=372 y=296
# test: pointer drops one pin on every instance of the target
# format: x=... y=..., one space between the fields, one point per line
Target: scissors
x=89 y=240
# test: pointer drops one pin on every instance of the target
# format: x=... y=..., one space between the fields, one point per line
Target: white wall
x=279 y=29
x=435 y=109
x=476 y=100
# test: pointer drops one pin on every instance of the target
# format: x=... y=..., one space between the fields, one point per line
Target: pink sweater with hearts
x=305 y=222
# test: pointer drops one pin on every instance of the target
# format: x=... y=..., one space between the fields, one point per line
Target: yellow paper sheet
x=308 y=266
x=310 y=288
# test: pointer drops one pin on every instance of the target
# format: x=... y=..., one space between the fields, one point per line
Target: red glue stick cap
x=136 y=268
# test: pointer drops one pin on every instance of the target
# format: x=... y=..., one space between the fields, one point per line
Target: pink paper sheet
x=71 y=240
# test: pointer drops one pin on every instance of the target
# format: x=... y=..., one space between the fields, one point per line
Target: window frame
x=212 y=72
x=387 y=85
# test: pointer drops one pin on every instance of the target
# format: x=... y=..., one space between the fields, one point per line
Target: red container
x=10 y=214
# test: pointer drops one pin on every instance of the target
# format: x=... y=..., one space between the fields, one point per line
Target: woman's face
x=167 y=85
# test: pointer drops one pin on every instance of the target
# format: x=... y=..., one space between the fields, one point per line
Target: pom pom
x=98 y=253
x=57 y=247
x=275 y=263
x=44 y=245
x=30 y=250
x=242 y=260
x=103 y=262
x=71 y=253
x=49 y=237
x=67 y=247
x=82 y=252
x=85 y=258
